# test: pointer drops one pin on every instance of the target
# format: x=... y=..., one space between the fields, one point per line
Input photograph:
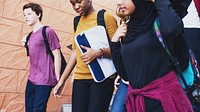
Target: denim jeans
x=118 y=104
x=36 y=97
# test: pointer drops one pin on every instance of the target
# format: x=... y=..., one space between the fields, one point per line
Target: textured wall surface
x=14 y=65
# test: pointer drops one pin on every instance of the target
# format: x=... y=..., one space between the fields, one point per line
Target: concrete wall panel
x=10 y=31
x=1 y=7
x=13 y=57
x=13 y=81
x=14 y=64
x=12 y=102
x=13 y=9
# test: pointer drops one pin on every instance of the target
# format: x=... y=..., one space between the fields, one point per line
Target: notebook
x=95 y=38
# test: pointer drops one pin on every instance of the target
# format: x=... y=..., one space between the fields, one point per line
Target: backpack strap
x=169 y=52
x=26 y=43
x=100 y=17
x=48 y=50
x=76 y=20
x=101 y=20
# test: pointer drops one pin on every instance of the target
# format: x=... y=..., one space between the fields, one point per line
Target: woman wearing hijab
x=141 y=59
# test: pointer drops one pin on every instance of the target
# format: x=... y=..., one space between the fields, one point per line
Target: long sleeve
x=171 y=28
x=171 y=24
x=115 y=48
x=181 y=6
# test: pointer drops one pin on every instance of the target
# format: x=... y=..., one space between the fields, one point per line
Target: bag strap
x=26 y=43
x=48 y=50
x=100 y=20
x=173 y=59
x=100 y=17
x=76 y=21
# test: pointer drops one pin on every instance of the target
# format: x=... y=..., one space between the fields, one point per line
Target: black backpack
x=48 y=51
x=100 y=20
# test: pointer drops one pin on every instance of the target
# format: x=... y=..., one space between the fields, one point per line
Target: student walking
x=44 y=73
x=88 y=95
x=153 y=84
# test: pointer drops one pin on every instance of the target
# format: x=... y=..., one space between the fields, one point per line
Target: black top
x=144 y=59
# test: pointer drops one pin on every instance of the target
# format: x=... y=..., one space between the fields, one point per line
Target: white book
x=96 y=38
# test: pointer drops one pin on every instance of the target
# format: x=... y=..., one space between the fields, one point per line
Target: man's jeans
x=36 y=97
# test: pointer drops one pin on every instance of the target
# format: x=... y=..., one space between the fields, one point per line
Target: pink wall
x=14 y=65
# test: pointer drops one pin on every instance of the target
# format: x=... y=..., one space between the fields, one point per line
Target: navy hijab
x=141 y=20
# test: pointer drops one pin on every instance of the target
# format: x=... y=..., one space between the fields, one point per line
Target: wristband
x=102 y=52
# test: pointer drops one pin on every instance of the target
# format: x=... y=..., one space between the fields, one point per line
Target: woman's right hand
x=120 y=33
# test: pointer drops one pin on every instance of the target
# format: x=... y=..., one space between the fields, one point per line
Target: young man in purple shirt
x=44 y=72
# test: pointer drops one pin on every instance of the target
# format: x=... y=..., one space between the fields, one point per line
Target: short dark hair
x=36 y=8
